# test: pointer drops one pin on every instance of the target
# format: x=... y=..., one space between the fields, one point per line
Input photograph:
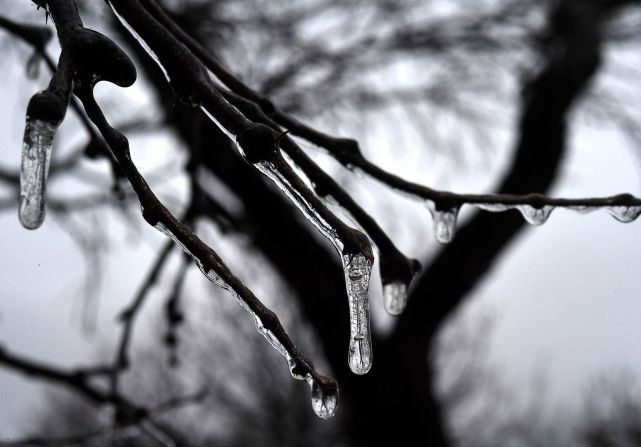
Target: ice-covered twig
x=395 y=267
x=623 y=207
x=113 y=65
x=257 y=142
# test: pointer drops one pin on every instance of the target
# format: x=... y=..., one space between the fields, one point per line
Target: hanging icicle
x=444 y=220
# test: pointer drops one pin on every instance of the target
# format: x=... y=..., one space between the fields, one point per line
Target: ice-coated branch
x=96 y=57
x=443 y=205
x=191 y=84
x=396 y=269
x=38 y=37
x=256 y=142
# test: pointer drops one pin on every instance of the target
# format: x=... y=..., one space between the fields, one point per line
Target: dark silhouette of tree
x=237 y=128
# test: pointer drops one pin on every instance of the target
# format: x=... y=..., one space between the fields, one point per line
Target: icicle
x=324 y=397
x=395 y=297
x=533 y=215
x=36 y=155
x=357 y=272
x=625 y=214
x=444 y=221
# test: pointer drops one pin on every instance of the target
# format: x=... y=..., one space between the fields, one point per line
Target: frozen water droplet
x=395 y=297
x=535 y=216
x=294 y=369
x=582 y=209
x=36 y=155
x=493 y=207
x=324 y=397
x=444 y=222
x=625 y=214
x=357 y=273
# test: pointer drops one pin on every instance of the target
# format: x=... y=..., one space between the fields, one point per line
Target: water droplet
x=357 y=273
x=34 y=170
x=324 y=397
x=625 y=214
x=535 y=216
x=395 y=297
x=444 y=222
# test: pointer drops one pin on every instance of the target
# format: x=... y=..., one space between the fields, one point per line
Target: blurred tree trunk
x=395 y=402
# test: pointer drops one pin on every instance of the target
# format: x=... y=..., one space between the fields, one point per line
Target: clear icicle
x=325 y=395
x=395 y=297
x=36 y=156
x=535 y=216
x=357 y=272
x=444 y=222
x=625 y=214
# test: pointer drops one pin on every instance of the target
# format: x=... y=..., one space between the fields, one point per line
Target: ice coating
x=273 y=173
x=625 y=214
x=535 y=216
x=357 y=273
x=444 y=222
x=582 y=209
x=493 y=207
x=34 y=169
x=395 y=297
x=130 y=29
x=360 y=348
x=324 y=397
